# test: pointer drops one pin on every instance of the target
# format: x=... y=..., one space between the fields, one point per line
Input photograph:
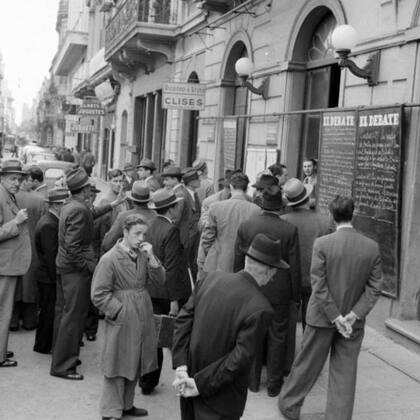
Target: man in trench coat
x=130 y=343
x=217 y=333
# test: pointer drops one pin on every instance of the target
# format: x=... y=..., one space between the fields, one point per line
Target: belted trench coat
x=118 y=287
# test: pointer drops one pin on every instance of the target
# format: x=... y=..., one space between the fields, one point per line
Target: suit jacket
x=310 y=225
x=116 y=231
x=216 y=336
x=206 y=189
x=286 y=284
x=46 y=244
x=15 y=243
x=75 y=235
x=166 y=242
x=346 y=275
x=183 y=214
x=219 y=234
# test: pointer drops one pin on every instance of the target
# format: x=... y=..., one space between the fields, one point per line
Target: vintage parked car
x=53 y=171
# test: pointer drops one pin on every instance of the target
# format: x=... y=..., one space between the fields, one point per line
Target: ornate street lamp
x=344 y=39
x=244 y=68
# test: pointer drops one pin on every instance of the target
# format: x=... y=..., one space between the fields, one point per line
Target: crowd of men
x=234 y=270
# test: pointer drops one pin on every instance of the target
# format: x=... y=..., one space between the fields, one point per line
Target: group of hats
x=162 y=198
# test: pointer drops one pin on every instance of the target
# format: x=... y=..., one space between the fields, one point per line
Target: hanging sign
x=91 y=106
x=188 y=96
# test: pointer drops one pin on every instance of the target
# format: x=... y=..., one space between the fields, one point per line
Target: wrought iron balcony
x=141 y=27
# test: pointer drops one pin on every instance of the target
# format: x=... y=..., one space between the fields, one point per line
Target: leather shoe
x=90 y=337
x=78 y=362
x=8 y=363
x=147 y=390
x=111 y=418
x=72 y=376
x=135 y=412
x=9 y=354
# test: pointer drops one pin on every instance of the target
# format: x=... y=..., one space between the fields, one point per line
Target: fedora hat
x=147 y=163
x=128 y=167
x=272 y=198
x=190 y=174
x=12 y=166
x=139 y=193
x=57 y=195
x=174 y=171
x=295 y=191
x=266 y=251
x=200 y=165
x=77 y=179
x=265 y=181
x=163 y=198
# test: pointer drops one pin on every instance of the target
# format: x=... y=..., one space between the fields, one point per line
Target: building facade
x=134 y=48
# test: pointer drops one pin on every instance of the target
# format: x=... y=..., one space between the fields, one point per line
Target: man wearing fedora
x=145 y=172
x=164 y=236
x=46 y=244
x=219 y=234
x=130 y=174
x=15 y=249
x=217 y=334
x=206 y=188
x=310 y=225
x=281 y=291
x=346 y=277
x=75 y=265
x=139 y=198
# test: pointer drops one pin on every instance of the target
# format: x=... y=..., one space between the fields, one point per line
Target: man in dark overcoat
x=284 y=288
x=346 y=278
x=15 y=249
x=46 y=244
x=119 y=290
x=75 y=264
x=166 y=242
x=217 y=333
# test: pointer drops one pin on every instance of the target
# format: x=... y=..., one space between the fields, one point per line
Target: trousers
x=317 y=344
x=117 y=395
x=196 y=409
x=7 y=298
x=73 y=298
x=45 y=329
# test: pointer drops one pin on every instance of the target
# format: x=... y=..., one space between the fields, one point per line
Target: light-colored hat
x=163 y=198
x=12 y=166
x=200 y=165
x=148 y=164
x=296 y=192
x=139 y=193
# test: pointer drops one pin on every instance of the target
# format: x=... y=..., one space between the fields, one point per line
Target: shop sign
x=188 y=96
x=91 y=106
x=78 y=128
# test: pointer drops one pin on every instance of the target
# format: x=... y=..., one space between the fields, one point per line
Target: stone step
x=406 y=333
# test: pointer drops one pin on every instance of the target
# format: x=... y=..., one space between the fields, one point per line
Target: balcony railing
x=131 y=12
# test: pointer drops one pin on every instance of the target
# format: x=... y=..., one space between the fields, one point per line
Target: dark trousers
x=274 y=352
x=92 y=320
x=192 y=255
x=151 y=380
x=316 y=345
x=25 y=312
x=73 y=297
x=196 y=409
x=306 y=294
x=45 y=329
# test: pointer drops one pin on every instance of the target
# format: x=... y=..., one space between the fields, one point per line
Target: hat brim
x=131 y=198
x=85 y=184
x=309 y=188
x=175 y=175
x=12 y=171
x=55 y=201
x=154 y=207
x=281 y=264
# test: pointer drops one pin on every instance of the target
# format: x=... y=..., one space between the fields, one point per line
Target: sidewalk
x=388 y=387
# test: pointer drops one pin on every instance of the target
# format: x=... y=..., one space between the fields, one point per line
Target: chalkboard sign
x=376 y=188
x=336 y=157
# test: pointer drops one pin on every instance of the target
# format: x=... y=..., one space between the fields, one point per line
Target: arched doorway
x=322 y=82
x=236 y=101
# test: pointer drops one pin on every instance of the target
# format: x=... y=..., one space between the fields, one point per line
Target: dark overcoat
x=216 y=336
x=286 y=284
x=118 y=287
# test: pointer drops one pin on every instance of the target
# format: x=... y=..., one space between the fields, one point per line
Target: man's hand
x=21 y=216
x=121 y=197
x=147 y=248
x=351 y=318
x=174 y=308
x=343 y=327
x=190 y=388
x=180 y=375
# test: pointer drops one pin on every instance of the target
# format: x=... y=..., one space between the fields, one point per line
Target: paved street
x=388 y=387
